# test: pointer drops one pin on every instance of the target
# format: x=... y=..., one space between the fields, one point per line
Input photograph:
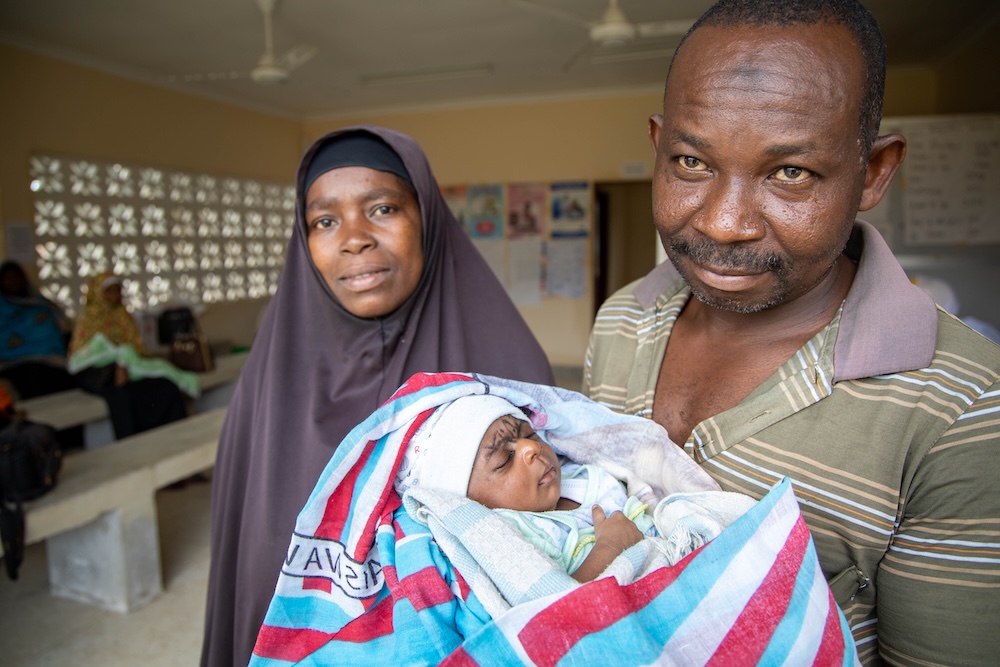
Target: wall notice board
x=941 y=215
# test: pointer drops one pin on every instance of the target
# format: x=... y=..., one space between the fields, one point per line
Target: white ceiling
x=492 y=49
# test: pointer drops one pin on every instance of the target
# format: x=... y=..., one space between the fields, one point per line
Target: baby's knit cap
x=441 y=453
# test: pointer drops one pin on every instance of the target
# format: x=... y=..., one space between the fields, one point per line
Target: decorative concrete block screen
x=174 y=236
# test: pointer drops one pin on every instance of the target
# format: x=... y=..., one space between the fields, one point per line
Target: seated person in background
x=108 y=355
x=483 y=447
x=33 y=346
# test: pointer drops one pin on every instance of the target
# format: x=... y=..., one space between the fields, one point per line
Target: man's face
x=364 y=229
x=759 y=166
x=515 y=469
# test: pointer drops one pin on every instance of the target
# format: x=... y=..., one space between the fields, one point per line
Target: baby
x=484 y=447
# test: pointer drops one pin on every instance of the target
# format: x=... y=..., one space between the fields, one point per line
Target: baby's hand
x=614 y=532
x=613 y=535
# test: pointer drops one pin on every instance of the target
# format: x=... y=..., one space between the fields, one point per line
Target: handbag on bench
x=191 y=352
x=30 y=459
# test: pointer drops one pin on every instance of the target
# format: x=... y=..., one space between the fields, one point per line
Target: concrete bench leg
x=112 y=562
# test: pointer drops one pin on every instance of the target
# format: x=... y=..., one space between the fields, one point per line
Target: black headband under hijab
x=356 y=149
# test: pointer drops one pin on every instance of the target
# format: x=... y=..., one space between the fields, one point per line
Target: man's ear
x=887 y=155
x=655 y=126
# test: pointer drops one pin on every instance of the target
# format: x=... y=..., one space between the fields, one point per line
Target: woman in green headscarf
x=108 y=355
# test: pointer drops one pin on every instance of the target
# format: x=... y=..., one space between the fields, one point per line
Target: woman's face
x=13 y=282
x=365 y=238
x=113 y=294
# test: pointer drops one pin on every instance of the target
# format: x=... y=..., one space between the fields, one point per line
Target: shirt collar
x=887 y=325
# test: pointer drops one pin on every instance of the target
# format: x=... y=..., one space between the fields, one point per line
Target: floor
x=39 y=630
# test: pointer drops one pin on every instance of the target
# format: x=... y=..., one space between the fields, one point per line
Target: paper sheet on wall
x=492 y=251
x=566 y=268
x=20 y=242
x=880 y=217
x=951 y=185
x=525 y=271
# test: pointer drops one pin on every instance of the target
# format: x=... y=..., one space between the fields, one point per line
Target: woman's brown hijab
x=315 y=371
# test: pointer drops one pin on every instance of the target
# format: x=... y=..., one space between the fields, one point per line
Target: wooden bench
x=76 y=407
x=100 y=519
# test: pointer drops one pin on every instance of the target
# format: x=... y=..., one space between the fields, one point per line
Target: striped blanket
x=367 y=582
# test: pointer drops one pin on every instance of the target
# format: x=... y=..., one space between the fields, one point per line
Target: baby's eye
x=691 y=163
x=507 y=459
x=791 y=174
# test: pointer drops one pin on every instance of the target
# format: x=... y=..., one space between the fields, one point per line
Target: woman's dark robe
x=315 y=371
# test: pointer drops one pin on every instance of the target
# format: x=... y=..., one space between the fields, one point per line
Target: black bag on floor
x=30 y=460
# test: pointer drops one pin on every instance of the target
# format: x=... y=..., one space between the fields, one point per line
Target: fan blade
x=675 y=28
x=568 y=65
x=297 y=56
x=204 y=76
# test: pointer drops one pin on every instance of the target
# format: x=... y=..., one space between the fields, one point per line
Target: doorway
x=625 y=241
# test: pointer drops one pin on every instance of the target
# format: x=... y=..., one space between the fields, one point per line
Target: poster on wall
x=526 y=210
x=457 y=199
x=570 y=209
x=485 y=210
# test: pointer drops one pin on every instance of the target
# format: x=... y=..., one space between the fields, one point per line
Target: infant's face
x=514 y=469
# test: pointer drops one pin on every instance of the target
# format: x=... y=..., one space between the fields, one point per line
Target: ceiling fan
x=270 y=69
x=613 y=29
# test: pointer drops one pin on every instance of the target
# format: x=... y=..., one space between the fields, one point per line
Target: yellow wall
x=55 y=107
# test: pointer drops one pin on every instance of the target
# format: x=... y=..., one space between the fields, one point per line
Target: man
x=783 y=339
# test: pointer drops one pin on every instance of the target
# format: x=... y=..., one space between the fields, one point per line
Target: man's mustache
x=739 y=258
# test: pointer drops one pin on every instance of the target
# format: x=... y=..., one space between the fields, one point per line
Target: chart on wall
x=534 y=236
x=947 y=192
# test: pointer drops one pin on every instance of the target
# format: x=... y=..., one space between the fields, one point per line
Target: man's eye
x=791 y=174
x=691 y=163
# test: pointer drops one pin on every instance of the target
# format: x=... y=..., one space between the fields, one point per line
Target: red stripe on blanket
x=589 y=609
x=291 y=644
x=831 y=650
x=420 y=381
x=459 y=658
x=423 y=589
x=463 y=587
x=374 y=623
x=338 y=505
x=752 y=630
x=388 y=500
x=317 y=584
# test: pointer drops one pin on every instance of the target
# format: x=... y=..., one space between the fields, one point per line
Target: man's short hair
x=849 y=13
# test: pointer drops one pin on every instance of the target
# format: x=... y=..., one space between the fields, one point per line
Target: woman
x=380 y=282
x=32 y=342
x=109 y=358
